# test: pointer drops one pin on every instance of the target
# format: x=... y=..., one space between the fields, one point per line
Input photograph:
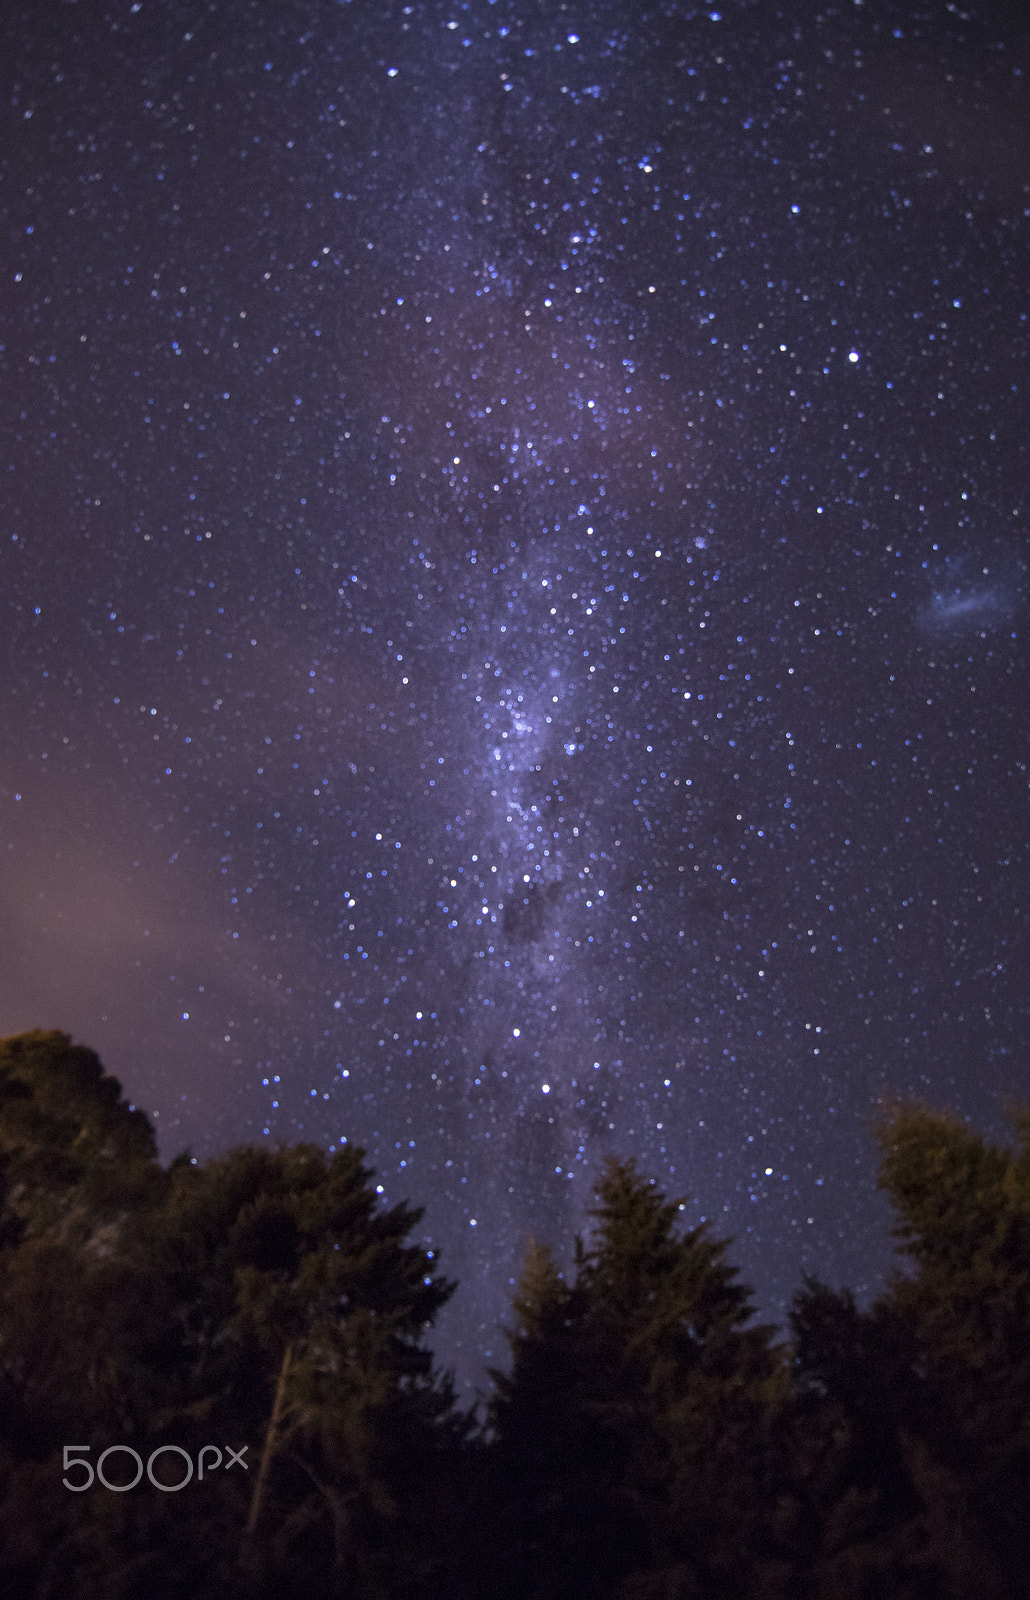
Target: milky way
x=515 y=567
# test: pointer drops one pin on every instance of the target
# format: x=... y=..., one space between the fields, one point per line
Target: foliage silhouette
x=650 y=1441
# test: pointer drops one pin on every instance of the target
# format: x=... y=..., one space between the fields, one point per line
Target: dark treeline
x=650 y=1442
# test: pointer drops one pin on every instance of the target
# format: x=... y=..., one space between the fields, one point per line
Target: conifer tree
x=911 y=1454
x=554 y=1526
x=963 y=1221
x=636 y=1429
x=698 y=1393
x=851 y=1513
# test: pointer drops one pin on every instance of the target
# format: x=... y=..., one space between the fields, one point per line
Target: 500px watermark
x=73 y=1454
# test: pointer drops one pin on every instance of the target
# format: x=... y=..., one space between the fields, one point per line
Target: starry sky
x=514 y=585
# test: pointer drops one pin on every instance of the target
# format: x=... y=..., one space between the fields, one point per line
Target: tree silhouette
x=635 y=1431
x=263 y=1299
x=963 y=1221
x=650 y=1441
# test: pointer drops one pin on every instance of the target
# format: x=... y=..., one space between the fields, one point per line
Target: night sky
x=514 y=587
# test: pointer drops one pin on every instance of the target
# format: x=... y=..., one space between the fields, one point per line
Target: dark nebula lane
x=514 y=567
